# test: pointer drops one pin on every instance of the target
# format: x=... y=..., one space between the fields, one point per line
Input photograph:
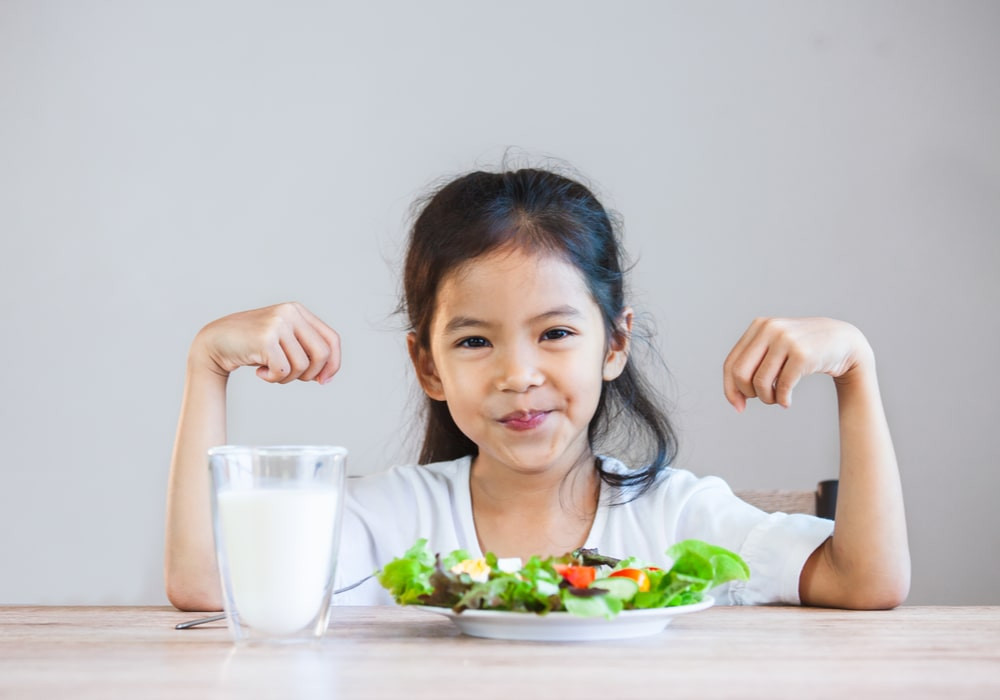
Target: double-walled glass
x=276 y=517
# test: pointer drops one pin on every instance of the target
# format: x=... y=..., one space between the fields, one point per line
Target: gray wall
x=162 y=164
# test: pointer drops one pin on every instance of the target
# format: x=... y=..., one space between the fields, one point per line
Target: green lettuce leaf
x=420 y=577
x=724 y=565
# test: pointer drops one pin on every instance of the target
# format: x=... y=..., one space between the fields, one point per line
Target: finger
x=749 y=336
x=274 y=366
x=767 y=374
x=794 y=369
x=297 y=357
x=332 y=340
x=733 y=388
x=743 y=367
x=317 y=350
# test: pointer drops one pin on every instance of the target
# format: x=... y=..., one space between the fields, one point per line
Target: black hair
x=542 y=211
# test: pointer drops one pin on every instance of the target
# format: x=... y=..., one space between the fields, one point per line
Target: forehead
x=511 y=284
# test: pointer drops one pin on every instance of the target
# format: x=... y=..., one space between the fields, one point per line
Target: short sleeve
x=776 y=550
x=775 y=546
x=386 y=512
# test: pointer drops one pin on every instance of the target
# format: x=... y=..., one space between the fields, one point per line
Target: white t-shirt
x=386 y=513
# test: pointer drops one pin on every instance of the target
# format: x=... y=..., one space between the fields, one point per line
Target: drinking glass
x=276 y=515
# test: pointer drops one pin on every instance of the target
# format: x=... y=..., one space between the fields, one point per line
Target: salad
x=583 y=582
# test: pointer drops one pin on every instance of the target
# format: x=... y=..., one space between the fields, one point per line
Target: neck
x=512 y=489
x=520 y=513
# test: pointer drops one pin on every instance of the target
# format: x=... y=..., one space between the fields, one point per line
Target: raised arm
x=285 y=342
x=866 y=564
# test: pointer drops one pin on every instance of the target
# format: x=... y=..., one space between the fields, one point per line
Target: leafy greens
x=457 y=581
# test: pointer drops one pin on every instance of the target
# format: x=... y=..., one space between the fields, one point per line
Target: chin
x=533 y=462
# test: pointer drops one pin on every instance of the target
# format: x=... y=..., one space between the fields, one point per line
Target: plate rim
x=563 y=626
x=564 y=616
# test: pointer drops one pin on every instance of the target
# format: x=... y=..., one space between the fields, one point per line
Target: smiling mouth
x=524 y=420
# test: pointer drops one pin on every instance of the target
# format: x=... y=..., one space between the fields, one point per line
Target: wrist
x=200 y=360
x=862 y=368
x=858 y=384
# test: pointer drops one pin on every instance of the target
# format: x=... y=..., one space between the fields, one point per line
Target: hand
x=284 y=342
x=775 y=353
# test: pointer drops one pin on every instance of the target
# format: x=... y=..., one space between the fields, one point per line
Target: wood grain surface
x=387 y=652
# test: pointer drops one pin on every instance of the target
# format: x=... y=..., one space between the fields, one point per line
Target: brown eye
x=556 y=334
x=474 y=342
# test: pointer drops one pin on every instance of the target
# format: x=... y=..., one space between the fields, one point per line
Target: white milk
x=279 y=544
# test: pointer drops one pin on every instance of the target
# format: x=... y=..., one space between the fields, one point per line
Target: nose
x=518 y=370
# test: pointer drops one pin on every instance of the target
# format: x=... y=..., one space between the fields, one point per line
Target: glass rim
x=278 y=450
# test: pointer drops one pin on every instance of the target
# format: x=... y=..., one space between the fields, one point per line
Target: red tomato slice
x=577 y=576
x=637 y=575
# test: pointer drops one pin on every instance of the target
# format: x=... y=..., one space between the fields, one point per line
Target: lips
x=524 y=420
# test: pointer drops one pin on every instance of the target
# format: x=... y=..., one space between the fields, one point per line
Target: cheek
x=462 y=390
x=584 y=380
x=456 y=380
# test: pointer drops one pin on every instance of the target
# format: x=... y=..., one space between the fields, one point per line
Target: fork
x=222 y=616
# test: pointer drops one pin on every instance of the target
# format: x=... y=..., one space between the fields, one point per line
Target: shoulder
x=385 y=512
x=411 y=478
x=671 y=484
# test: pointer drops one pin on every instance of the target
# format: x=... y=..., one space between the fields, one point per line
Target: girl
x=520 y=337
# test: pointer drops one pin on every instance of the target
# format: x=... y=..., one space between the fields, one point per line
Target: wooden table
x=101 y=652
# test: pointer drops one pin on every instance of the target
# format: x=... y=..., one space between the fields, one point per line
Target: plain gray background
x=166 y=163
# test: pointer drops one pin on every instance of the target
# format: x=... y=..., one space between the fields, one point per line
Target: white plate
x=562 y=626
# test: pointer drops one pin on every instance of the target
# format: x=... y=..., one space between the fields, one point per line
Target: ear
x=423 y=365
x=618 y=346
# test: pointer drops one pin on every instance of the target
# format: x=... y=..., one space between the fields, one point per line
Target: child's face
x=519 y=352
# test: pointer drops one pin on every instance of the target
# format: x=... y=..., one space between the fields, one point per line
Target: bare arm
x=191 y=574
x=866 y=564
x=286 y=343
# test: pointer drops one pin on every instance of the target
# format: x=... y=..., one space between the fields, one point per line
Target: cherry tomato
x=637 y=575
x=577 y=576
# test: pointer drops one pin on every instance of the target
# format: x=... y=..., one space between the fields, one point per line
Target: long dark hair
x=539 y=211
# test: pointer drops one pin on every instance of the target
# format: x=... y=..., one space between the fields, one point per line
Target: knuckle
x=796 y=355
x=274 y=319
x=286 y=309
x=768 y=324
x=773 y=324
x=316 y=363
x=744 y=380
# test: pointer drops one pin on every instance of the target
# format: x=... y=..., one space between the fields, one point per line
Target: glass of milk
x=276 y=515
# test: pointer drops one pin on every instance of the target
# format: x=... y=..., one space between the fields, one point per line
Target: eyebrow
x=459 y=323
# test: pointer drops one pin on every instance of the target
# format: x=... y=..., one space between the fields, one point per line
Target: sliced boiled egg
x=477 y=569
x=509 y=565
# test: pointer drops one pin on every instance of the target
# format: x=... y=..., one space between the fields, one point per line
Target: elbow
x=858 y=587
x=189 y=600
x=879 y=600
x=872 y=583
x=192 y=596
x=193 y=603
x=885 y=594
